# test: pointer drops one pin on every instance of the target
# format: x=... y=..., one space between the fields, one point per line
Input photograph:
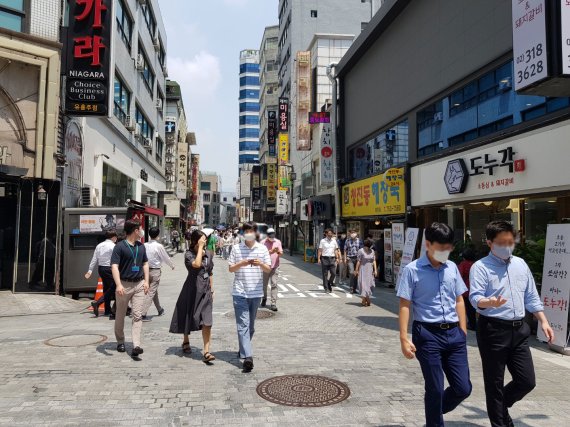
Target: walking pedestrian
x=275 y=249
x=352 y=246
x=102 y=258
x=366 y=271
x=502 y=288
x=156 y=255
x=342 y=268
x=248 y=260
x=194 y=307
x=175 y=239
x=328 y=255
x=433 y=287
x=469 y=257
x=227 y=245
x=129 y=264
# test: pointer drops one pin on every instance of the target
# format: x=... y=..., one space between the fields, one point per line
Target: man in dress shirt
x=275 y=249
x=102 y=258
x=156 y=255
x=351 y=247
x=502 y=287
x=328 y=255
x=433 y=286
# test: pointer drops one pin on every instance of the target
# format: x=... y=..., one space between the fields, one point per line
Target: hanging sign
x=283 y=114
x=327 y=157
x=409 y=249
x=388 y=272
x=281 y=208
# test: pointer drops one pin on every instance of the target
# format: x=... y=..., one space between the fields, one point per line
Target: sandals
x=208 y=357
x=186 y=348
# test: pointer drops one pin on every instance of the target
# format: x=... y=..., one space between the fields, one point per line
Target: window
x=159 y=150
x=161 y=54
x=249 y=68
x=147 y=74
x=248 y=106
x=124 y=23
x=205 y=186
x=249 y=81
x=313 y=13
x=249 y=133
x=206 y=197
x=122 y=100
x=149 y=18
x=248 y=159
x=145 y=127
x=463 y=99
x=249 y=146
x=271 y=66
x=117 y=187
x=249 y=94
x=271 y=43
x=363 y=26
x=12 y=14
x=248 y=120
x=162 y=101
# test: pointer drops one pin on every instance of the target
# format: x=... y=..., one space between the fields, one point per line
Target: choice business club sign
x=87 y=59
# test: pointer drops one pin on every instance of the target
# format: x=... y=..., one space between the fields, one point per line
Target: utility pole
x=332 y=78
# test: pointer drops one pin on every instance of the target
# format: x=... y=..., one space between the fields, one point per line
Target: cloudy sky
x=204 y=41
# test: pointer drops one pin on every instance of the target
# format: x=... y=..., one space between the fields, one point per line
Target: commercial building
x=228 y=212
x=210 y=186
x=473 y=148
x=248 y=108
x=31 y=130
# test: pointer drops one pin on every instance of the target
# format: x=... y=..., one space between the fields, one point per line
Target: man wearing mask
x=502 y=288
x=102 y=258
x=328 y=255
x=249 y=260
x=129 y=264
x=352 y=246
x=342 y=264
x=275 y=249
x=433 y=286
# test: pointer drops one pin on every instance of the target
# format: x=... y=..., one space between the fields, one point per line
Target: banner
x=397 y=248
x=73 y=172
x=303 y=65
x=283 y=115
x=99 y=223
x=283 y=148
x=409 y=250
x=327 y=157
x=388 y=273
x=283 y=181
x=182 y=171
x=271 y=127
x=556 y=282
x=281 y=208
x=271 y=184
x=380 y=195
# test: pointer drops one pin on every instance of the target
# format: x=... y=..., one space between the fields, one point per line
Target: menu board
x=398 y=240
x=388 y=272
x=556 y=282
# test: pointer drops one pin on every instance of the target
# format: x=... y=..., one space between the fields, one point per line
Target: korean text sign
x=87 y=60
x=283 y=115
x=283 y=148
x=383 y=194
x=556 y=281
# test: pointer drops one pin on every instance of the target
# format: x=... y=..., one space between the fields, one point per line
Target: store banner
x=409 y=250
x=255 y=181
x=388 y=272
x=303 y=71
x=327 y=157
x=380 y=195
x=284 y=182
x=73 y=172
x=271 y=127
x=100 y=223
x=283 y=120
x=556 y=282
x=281 y=205
x=283 y=148
x=182 y=171
x=271 y=184
x=86 y=64
x=398 y=241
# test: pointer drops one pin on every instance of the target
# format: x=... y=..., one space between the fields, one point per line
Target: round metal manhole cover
x=261 y=314
x=303 y=390
x=76 y=340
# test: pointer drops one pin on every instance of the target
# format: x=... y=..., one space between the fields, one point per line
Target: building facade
x=248 y=108
x=210 y=187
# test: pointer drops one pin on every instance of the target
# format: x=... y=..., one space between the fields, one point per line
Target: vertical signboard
x=565 y=25
x=195 y=159
x=327 y=157
x=182 y=171
x=388 y=273
x=281 y=205
x=303 y=65
x=283 y=115
x=398 y=240
x=87 y=57
x=555 y=291
x=72 y=172
x=271 y=184
x=283 y=148
x=409 y=249
x=283 y=180
x=529 y=42
x=271 y=127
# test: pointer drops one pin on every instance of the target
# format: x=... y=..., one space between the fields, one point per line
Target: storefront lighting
x=377 y=222
x=487 y=203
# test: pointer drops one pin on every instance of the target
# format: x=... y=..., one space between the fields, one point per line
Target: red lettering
x=89 y=47
x=88 y=9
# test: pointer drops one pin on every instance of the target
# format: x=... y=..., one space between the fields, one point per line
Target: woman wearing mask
x=227 y=242
x=366 y=271
x=193 y=310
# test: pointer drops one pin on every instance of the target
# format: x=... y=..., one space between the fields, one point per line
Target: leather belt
x=443 y=326
x=509 y=323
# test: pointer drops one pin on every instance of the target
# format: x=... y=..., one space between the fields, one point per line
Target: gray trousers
x=271 y=279
x=152 y=296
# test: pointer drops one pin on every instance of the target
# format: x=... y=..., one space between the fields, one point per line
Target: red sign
x=326 y=152
x=520 y=165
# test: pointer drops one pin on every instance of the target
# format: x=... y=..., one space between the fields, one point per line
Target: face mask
x=271 y=238
x=343 y=236
x=441 y=256
x=503 y=252
x=353 y=235
x=249 y=237
x=141 y=234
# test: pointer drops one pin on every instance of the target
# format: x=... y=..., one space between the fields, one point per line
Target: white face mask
x=249 y=237
x=141 y=234
x=354 y=235
x=441 y=256
x=271 y=239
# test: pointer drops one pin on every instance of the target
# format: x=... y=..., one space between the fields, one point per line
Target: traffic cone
x=98 y=292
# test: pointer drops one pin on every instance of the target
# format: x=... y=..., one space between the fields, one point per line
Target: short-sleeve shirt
x=328 y=247
x=126 y=257
x=248 y=280
x=270 y=245
x=432 y=291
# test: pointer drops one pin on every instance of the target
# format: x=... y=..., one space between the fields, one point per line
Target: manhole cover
x=261 y=314
x=303 y=390
x=76 y=340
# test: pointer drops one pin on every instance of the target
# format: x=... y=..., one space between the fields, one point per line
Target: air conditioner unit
x=156 y=43
x=140 y=62
x=147 y=143
x=130 y=123
x=438 y=117
x=137 y=130
x=86 y=196
x=159 y=103
x=505 y=85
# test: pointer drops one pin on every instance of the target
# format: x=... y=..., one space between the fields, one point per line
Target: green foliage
x=533 y=254
x=458 y=249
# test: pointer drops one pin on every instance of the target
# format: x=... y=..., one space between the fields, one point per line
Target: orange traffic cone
x=98 y=292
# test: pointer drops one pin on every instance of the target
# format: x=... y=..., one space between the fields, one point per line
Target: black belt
x=443 y=326
x=154 y=268
x=502 y=322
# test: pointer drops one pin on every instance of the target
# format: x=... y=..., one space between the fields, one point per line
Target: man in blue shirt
x=502 y=288
x=433 y=287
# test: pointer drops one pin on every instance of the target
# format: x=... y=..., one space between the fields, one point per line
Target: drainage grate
x=303 y=390
x=261 y=314
x=75 y=340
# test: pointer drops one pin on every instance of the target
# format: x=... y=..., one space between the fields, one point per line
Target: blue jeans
x=442 y=352
x=245 y=312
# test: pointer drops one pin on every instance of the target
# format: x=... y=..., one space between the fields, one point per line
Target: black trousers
x=106 y=276
x=328 y=266
x=471 y=314
x=503 y=346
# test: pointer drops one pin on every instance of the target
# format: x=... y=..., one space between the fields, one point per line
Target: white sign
x=73 y=170
x=99 y=223
x=565 y=24
x=388 y=273
x=327 y=157
x=304 y=210
x=556 y=282
x=409 y=249
x=281 y=205
x=182 y=171
x=529 y=42
x=398 y=238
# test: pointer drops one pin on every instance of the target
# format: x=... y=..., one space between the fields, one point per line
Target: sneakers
x=121 y=348
x=264 y=302
x=95 y=308
x=273 y=307
x=248 y=364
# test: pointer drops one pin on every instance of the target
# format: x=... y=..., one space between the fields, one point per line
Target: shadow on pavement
x=385 y=322
x=229 y=357
x=177 y=351
x=107 y=348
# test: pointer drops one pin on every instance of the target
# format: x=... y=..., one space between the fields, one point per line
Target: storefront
x=523 y=179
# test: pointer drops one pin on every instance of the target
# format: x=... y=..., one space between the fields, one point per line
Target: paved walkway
x=32 y=304
x=313 y=333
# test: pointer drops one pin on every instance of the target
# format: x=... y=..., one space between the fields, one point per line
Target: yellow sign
x=283 y=148
x=379 y=195
x=271 y=183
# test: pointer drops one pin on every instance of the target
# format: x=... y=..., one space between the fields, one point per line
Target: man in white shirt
x=328 y=255
x=248 y=260
x=156 y=255
x=102 y=258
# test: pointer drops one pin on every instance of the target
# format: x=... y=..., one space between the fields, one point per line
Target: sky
x=204 y=38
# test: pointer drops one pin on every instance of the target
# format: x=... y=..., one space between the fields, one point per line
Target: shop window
x=117 y=187
x=13 y=14
x=122 y=100
x=124 y=23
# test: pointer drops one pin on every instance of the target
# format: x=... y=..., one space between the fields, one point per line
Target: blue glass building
x=248 y=109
